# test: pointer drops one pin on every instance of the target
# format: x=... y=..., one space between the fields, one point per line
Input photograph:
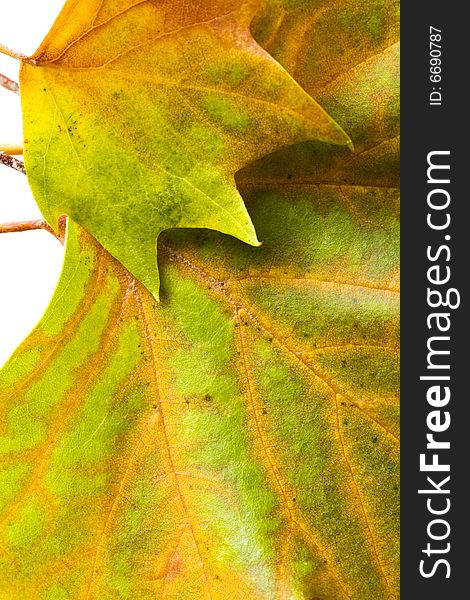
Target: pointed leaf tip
x=135 y=129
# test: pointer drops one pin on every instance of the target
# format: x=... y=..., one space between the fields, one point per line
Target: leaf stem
x=15 y=149
x=12 y=162
x=9 y=84
x=19 y=226
x=34 y=225
x=16 y=55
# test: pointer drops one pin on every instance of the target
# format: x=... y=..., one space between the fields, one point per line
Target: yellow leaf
x=137 y=116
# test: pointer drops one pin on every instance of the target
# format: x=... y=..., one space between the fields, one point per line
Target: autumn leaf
x=354 y=74
x=238 y=440
x=138 y=114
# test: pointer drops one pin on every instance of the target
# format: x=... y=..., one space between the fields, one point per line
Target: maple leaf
x=238 y=440
x=137 y=116
x=235 y=441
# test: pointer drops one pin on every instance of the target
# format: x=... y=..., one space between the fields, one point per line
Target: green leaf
x=240 y=438
x=138 y=114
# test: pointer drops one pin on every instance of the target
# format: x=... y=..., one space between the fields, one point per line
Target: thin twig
x=11 y=161
x=24 y=226
x=16 y=55
x=9 y=84
x=20 y=226
x=12 y=149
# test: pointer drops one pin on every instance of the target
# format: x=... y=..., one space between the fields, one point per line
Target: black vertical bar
x=426 y=127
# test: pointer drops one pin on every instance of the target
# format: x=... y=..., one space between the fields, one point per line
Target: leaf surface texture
x=137 y=116
x=239 y=439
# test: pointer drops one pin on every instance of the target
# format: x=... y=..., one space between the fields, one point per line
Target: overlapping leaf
x=138 y=114
x=238 y=440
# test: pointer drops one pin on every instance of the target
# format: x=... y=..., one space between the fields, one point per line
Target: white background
x=30 y=262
